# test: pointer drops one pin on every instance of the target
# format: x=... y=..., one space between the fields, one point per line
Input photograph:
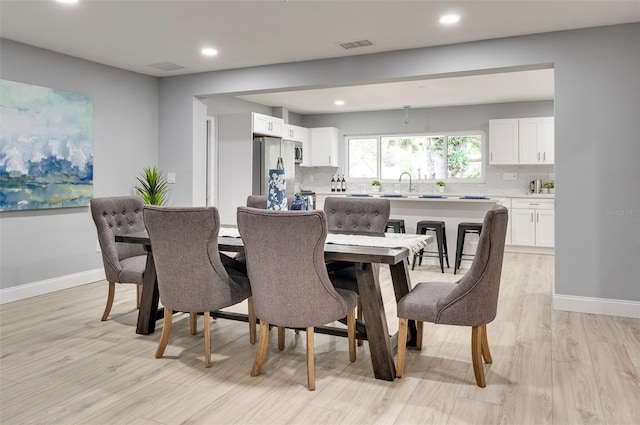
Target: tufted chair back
x=289 y=281
x=115 y=216
x=351 y=215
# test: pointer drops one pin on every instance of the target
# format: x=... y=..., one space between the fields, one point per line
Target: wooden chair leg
x=476 y=355
x=311 y=369
x=207 y=339
x=419 y=327
x=486 y=354
x=402 y=346
x=107 y=308
x=263 y=344
x=138 y=296
x=351 y=334
x=252 y=321
x=166 y=331
x=193 y=323
x=360 y=341
x=280 y=338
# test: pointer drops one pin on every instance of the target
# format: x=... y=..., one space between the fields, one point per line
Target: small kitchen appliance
x=535 y=186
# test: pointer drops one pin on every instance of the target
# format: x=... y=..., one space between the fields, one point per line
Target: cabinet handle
x=491 y=156
x=329 y=159
x=544 y=157
x=531 y=204
x=537 y=218
x=532 y=217
x=538 y=156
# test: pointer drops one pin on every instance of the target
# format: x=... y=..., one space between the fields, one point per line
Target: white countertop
x=450 y=197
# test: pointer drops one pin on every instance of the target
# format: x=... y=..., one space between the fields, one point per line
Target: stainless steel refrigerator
x=266 y=151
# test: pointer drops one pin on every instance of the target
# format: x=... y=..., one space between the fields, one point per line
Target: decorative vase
x=440 y=189
x=298 y=204
x=545 y=190
x=375 y=188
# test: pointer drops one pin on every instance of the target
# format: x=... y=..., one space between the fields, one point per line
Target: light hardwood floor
x=61 y=365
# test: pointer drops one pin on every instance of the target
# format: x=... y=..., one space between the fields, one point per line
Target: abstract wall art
x=46 y=147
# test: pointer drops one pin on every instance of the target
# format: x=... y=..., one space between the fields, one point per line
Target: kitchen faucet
x=410 y=184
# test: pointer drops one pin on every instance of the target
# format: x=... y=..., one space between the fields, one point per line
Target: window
x=454 y=157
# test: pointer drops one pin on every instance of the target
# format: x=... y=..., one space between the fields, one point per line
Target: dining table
x=374 y=329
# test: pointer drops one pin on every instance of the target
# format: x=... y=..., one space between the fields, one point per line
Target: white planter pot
x=375 y=188
x=440 y=189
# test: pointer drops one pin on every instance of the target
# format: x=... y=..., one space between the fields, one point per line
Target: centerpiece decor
x=154 y=187
x=440 y=186
x=375 y=186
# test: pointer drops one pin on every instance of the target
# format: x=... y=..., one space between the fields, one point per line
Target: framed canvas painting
x=46 y=147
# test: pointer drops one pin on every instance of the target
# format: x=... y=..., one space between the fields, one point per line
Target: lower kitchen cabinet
x=532 y=222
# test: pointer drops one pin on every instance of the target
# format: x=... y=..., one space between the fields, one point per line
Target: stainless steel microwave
x=297 y=147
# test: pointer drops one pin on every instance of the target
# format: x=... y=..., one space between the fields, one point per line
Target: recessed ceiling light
x=339 y=102
x=209 y=51
x=449 y=19
x=67 y=1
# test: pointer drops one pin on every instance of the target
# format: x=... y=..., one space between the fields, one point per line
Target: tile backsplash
x=319 y=180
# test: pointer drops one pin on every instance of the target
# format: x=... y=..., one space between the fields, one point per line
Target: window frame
x=445 y=134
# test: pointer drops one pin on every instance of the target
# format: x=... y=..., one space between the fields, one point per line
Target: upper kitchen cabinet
x=503 y=141
x=521 y=141
x=536 y=141
x=324 y=147
x=296 y=133
x=264 y=125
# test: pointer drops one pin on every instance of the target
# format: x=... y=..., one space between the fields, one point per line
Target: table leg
x=147 y=314
x=376 y=322
x=401 y=287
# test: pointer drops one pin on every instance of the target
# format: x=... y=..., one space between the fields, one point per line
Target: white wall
x=42 y=245
x=596 y=105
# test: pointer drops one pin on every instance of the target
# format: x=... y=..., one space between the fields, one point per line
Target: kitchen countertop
x=413 y=196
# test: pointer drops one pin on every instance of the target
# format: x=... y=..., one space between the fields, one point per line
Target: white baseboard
x=604 y=306
x=28 y=290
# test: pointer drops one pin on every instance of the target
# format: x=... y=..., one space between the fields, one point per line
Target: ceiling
x=133 y=35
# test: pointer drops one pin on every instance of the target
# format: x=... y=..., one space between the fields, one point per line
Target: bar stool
x=463 y=229
x=397 y=224
x=438 y=227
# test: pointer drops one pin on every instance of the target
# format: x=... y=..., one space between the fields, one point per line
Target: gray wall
x=45 y=244
x=455 y=118
x=597 y=99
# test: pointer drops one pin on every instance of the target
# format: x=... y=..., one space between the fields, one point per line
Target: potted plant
x=375 y=186
x=154 y=186
x=549 y=185
x=440 y=186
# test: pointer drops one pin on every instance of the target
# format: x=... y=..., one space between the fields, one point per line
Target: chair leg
x=419 y=326
x=252 y=321
x=402 y=346
x=486 y=354
x=476 y=355
x=439 y=242
x=280 y=338
x=263 y=344
x=311 y=369
x=138 y=296
x=359 y=306
x=351 y=334
x=107 y=308
x=207 y=339
x=166 y=331
x=193 y=323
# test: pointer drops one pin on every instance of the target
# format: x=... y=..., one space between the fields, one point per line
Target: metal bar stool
x=463 y=229
x=397 y=224
x=438 y=227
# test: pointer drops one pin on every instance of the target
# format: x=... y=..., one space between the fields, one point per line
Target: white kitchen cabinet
x=503 y=141
x=536 y=140
x=324 y=147
x=521 y=141
x=532 y=222
x=296 y=133
x=265 y=125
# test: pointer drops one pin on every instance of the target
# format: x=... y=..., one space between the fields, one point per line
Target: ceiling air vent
x=166 y=66
x=355 y=44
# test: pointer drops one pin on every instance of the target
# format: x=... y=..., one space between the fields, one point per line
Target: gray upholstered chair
x=123 y=262
x=289 y=281
x=472 y=301
x=191 y=277
x=356 y=216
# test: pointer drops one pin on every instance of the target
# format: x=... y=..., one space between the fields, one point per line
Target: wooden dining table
x=382 y=346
